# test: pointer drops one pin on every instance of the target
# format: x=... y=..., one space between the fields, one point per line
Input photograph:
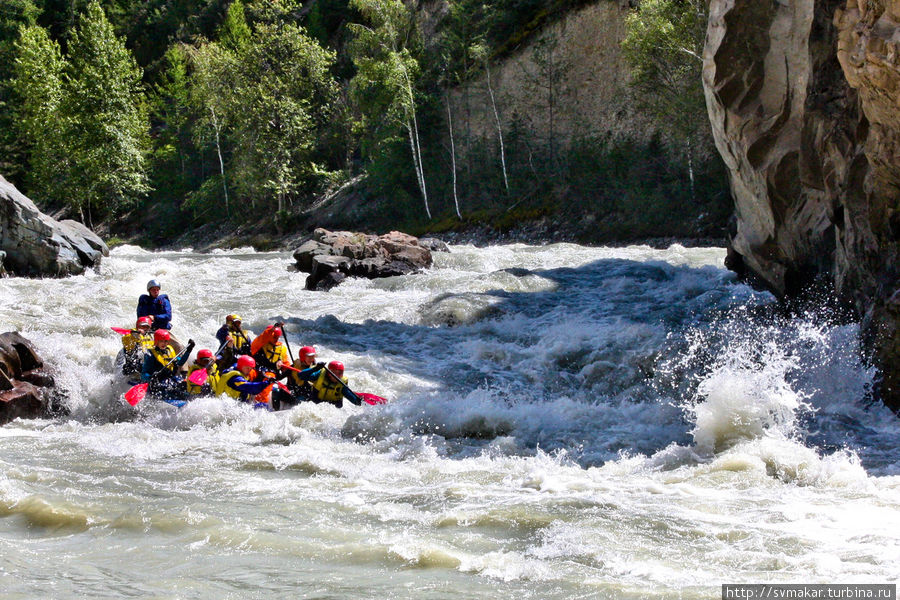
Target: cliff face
x=803 y=98
x=578 y=90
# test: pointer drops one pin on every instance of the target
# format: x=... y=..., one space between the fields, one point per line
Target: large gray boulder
x=330 y=256
x=36 y=245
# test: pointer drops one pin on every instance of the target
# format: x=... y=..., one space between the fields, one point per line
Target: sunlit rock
x=360 y=255
x=37 y=245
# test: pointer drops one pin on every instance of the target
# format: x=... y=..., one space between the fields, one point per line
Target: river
x=564 y=422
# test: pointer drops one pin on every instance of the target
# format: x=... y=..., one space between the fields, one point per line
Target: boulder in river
x=33 y=244
x=27 y=390
x=331 y=256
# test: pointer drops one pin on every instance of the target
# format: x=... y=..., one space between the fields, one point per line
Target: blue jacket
x=159 y=308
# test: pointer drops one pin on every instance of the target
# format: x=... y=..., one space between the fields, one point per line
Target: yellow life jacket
x=137 y=341
x=193 y=388
x=221 y=385
x=270 y=354
x=163 y=357
x=241 y=341
x=328 y=390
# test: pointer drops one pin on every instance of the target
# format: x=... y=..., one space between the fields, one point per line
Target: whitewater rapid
x=564 y=422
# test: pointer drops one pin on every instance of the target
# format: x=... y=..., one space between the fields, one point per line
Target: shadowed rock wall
x=803 y=100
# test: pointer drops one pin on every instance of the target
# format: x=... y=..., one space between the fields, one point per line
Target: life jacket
x=328 y=390
x=195 y=389
x=265 y=396
x=270 y=354
x=241 y=341
x=164 y=358
x=137 y=341
x=221 y=385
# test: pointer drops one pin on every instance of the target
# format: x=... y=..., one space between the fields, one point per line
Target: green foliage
x=664 y=46
x=106 y=117
x=282 y=95
x=38 y=86
x=235 y=32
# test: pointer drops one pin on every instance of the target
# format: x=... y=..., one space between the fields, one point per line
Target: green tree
x=105 y=118
x=283 y=95
x=13 y=15
x=38 y=85
x=664 y=47
x=383 y=86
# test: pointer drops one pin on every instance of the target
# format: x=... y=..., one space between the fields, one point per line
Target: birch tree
x=383 y=84
x=664 y=47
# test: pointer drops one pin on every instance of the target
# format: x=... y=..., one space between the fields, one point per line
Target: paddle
x=137 y=393
x=367 y=398
x=199 y=376
x=121 y=331
x=286 y=343
x=371 y=399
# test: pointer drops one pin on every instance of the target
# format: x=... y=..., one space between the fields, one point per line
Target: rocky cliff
x=577 y=91
x=34 y=244
x=804 y=100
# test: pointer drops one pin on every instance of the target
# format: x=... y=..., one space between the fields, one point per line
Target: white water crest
x=564 y=422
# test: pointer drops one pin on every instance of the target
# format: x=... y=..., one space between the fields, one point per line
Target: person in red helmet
x=238 y=383
x=134 y=345
x=270 y=351
x=162 y=366
x=205 y=360
x=329 y=384
x=298 y=389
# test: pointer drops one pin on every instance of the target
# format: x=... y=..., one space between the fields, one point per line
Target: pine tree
x=38 y=85
x=106 y=118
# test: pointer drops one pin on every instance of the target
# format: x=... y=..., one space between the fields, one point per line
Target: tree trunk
x=453 y=157
x=499 y=127
x=221 y=160
x=416 y=160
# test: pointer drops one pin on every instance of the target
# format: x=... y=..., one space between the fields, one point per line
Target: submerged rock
x=331 y=256
x=27 y=390
x=33 y=244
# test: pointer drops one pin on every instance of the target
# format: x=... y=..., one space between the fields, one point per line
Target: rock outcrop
x=37 y=245
x=804 y=100
x=27 y=390
x=331 y=256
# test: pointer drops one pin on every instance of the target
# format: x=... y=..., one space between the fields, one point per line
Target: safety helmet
x=152 y=284
x=276 y=332
x=245 y=361
x=235 y=318
x=306 y=352
x=204 y=354
x=336 y=367
x=229 y=318
x=143 y=321
x=161 y=335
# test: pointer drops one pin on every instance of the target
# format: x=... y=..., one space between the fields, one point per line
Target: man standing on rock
x=157 y=307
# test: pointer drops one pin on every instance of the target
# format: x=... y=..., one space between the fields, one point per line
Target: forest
x=150 y=119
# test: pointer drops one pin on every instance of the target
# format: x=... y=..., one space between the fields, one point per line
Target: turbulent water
x=564 y=422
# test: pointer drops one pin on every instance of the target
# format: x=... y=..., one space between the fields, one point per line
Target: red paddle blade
x=371 y=398
x=121 y=331
x=199 y=377
x=290 y=368
x=136 y=394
